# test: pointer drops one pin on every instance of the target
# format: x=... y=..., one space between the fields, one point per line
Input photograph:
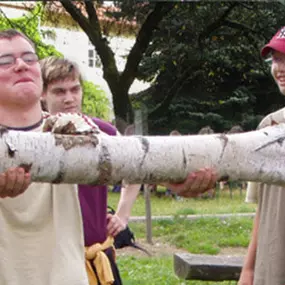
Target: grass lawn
x=205 y=236
x=169 y=206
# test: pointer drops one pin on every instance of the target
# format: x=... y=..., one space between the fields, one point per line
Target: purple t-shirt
x=93 y=202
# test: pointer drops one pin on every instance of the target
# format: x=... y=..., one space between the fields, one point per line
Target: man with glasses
x=41 y=230
x=41 y=240
x=9 y=60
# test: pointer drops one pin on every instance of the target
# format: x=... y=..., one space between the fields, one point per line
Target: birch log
x=102 y=159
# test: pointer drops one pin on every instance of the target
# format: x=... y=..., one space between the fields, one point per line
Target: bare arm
x=119 y=220
x=247 y=273
x=129 y=193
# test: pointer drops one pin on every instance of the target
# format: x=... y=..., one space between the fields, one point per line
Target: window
x=90 y=63
x=93 y=59
x=91 y=53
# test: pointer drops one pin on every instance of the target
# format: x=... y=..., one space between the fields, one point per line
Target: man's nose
x=20 y=65
x=68 y=97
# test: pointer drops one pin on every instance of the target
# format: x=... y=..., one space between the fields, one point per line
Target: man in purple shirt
x=62 y=92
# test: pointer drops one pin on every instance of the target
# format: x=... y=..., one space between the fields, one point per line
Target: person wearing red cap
x=276 y=44
x=264 y=263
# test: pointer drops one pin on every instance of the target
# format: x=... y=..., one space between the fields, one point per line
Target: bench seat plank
x=207 y=267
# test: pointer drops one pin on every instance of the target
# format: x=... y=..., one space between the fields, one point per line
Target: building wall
x=76 y=46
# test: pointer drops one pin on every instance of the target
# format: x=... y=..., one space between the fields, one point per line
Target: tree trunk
x=118 y=82
x=102 y=159
x=122 y=107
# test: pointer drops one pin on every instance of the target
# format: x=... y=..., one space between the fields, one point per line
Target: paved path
x=194 y=217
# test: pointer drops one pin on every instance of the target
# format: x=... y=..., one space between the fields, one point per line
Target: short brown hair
x=57 y=68
x=12 y=33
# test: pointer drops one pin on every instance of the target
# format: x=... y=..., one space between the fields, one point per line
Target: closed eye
x=76 y=89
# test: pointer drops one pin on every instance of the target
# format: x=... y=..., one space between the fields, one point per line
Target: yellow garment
x=95 y=254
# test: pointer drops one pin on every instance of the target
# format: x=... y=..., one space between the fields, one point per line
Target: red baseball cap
x=276 y=43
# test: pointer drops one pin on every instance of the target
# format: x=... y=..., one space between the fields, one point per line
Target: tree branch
x=246 y=6
x=142 y=42
x=239 y=26
x=173 y=91
x=92 y=29
x=248 y=32
x=255 y=156
x=11 y=24
x=92 y=15
x=75 y=13
x=217 y=23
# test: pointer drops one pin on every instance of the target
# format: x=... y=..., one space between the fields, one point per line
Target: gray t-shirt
x=270 y=255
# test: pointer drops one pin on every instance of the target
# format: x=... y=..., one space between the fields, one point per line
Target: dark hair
x=12 y=33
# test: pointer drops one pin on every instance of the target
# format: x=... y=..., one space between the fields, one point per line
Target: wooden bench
x=207 y=267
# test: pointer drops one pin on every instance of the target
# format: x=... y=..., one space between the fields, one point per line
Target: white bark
x=99 y=159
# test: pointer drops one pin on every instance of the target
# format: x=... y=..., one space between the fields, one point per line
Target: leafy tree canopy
x=95 y=102
x=202 y=59
x=29 y=25
x=205 y=66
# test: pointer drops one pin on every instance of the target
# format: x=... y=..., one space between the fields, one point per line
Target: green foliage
x=205 y=65
x=29 y=25
x=95 y=102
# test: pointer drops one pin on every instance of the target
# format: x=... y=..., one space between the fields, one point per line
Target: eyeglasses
x=9 y=60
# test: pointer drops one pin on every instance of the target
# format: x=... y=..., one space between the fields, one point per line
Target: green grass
x=202 y=236
x=169 y=206
x=206 y=235
x=154 y=271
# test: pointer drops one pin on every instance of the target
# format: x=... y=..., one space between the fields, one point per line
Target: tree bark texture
x=102 y=159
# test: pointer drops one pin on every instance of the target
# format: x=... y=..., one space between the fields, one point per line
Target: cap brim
x=279 y=46
x=266 y=50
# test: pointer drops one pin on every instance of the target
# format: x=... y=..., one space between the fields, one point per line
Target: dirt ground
x=233 y=251
x=159 y=248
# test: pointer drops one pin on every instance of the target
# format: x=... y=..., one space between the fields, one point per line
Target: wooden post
x=231 y=185
x=141 y=128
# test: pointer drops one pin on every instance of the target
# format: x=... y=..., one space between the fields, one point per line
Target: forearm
x=129 y=193
x=249 y=261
